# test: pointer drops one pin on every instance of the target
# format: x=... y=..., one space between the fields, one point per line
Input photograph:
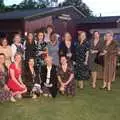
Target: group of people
x=48 y=64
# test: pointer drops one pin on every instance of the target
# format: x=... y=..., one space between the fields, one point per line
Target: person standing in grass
x=17 y=46
x=110 y=50
x=53 y=48
x=95 y=48
x=30 y=47
x=66 y=77
x=5 y=94
x=41 y=50
x=49 y=30
x=67 y=48
x=82 y=48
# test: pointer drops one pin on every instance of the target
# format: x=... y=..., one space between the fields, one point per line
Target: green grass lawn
x=88 y=104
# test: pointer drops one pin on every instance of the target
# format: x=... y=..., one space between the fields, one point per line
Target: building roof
x=27 y=14
x=90 y=20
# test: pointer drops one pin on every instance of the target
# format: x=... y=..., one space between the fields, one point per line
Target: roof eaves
x=78 y=11
x=54 y=10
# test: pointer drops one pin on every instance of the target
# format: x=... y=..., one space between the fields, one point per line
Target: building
x=31 y=20
x=101 y=24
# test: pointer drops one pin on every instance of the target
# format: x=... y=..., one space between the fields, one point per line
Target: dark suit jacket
x=28 y=78
x=53 y=75
x=53 y=78
x=63 y=50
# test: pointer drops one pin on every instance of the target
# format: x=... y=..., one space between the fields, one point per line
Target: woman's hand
x=6 y=88
x=94 y=51
x=103 y=53
x=85 y=63
x=65 y=84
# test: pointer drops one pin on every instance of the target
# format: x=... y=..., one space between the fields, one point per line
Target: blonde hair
x=110 y=33
x=19 y=54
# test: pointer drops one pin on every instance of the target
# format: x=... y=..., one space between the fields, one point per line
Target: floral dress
x=81 y=70
x=70 y=88
x=4 y=95
x=40 y=47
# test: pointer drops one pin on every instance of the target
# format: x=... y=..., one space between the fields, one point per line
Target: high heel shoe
x=103 y=88
x=94 y=86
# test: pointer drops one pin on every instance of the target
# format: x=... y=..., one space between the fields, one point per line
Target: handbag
x=99 y=59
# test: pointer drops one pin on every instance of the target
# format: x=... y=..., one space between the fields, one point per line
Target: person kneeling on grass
x=14 y=83
x=5 y=94
x=49 y=78
x=66 y=78
x=32 y=79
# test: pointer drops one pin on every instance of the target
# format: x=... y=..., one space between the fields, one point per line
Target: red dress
x=14 y=87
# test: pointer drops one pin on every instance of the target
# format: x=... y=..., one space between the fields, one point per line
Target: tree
x=2 y=6
x=32 y=4
x=79 y=4
x=28 y=4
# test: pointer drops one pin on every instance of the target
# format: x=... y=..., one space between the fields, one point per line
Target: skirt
x=14 y=87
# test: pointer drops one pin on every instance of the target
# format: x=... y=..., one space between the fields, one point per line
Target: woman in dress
x=30 y=47
x=6 y=49
x=41 y=50
x=32 y=79
x=17 y=46
x=110 y=57
x=14 y=82
x=95 y=47
x=66 y=77
x=81 y=54
x=49 y=78
x=5 y=94
x=53 y=48
x=67 y=48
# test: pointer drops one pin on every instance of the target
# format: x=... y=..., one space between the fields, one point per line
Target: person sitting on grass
x=49 y=78
x=32 y=79
x=66 y=77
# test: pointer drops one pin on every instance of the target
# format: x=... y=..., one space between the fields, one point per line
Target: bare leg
x=104 y=84
x=94 y=78
x=109 y=86
x=81 y=84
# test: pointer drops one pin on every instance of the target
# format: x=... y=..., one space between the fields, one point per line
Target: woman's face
x=40 y=36
x=48 y=61
x=63 y=60
x=108 y=37
x=2 y=59
x=82 y=36
x=30 y=36
x=49 y=30
x=4 y=43
x=17 y=39
x=18 y=58
x=96 y=35
x=31 y=62
x=67 y=37
x=53 y=37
